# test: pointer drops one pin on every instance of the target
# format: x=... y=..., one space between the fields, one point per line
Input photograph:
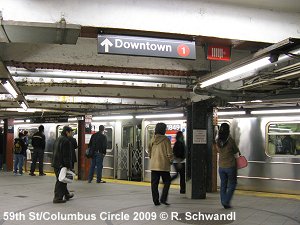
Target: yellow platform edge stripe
x=176 y=186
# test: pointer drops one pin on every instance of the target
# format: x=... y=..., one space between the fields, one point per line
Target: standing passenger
x=1 y=147
x=62 y=157
x=161 y=156
x=98 y=145
x=25 y=138
x=228 y=152
x=179 y=164
x=19 y=154
x=38 y=143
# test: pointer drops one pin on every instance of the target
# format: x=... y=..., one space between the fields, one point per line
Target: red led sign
x=218 y=53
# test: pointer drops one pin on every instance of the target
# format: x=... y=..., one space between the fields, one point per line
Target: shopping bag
x=66 y=176
x=28 y=154
x=241 y=162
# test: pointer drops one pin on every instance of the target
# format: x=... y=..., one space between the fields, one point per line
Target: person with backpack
x=98 y=146
x=19 y=154
x=161 y=156
x=62 y=157
x=38 y=142
x=179 y=163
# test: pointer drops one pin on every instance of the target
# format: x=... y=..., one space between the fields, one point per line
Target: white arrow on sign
x=107 y=43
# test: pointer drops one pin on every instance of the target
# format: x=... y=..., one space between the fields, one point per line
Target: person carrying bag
x=62 y=162
x=228 y=152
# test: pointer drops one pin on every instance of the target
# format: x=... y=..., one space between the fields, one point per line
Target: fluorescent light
x=241 y=70
x=121 y=117
x=24 y=106
x=275 y=111
x=238 y=102
x=256 y=101
x=72 y=119
x=231 y=113
x=19 y=121
x=1 y=121
x=10 y=89
x=27 y=121
x=152 y=116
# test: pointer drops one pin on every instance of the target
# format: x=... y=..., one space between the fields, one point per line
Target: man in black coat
x=62 y=157
x=38 y=143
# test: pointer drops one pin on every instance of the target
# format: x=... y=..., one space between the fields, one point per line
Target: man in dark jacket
x=38 y=144
x=98 y=145
x=62 y=157
x=74 y=146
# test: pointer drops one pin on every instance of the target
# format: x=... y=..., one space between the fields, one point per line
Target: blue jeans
x=18 y=164
x=97 y=161
x=228 y=178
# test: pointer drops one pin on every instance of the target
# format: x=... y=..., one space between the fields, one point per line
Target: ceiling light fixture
x=241 y=70
x=121 y=117
x=274 y=111
x=279 y=52
x=10 y=89
x=153 y=116
x=225 y=113
x=24 y=106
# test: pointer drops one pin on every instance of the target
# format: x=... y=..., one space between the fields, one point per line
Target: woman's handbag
x=241 y=162
x=66 y=176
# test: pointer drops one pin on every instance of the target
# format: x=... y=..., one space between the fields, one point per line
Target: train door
x=109 y=162
x=109 y=159
x=130 y=154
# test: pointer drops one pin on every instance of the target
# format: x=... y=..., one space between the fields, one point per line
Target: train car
x=272 y=146
x=52 y=131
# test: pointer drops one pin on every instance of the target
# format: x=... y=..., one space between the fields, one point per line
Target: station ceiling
x=64 y=79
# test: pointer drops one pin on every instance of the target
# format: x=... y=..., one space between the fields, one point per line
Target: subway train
x=271 y=145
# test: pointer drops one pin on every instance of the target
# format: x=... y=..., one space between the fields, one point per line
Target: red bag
x=241 y=162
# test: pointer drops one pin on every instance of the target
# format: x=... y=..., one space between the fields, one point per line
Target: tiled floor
x=25 y=197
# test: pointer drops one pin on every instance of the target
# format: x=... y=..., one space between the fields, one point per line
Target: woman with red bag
x=228 y=152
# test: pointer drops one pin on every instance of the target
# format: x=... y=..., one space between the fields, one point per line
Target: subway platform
x=28 y=200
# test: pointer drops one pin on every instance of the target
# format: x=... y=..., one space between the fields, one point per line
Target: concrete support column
x=9 y=143
x=199 y=154
x=83 y=162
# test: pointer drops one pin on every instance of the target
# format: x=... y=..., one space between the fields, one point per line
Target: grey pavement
x=28 y=200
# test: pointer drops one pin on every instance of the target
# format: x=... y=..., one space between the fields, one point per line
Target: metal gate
x=130 y=163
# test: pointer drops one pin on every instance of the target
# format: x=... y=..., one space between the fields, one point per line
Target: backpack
x=17 y=147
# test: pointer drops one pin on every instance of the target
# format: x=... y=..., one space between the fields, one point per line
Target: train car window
x=31 y=132
x=109 y=136
x=127 y=136
x=283 y=139
x=149 y=135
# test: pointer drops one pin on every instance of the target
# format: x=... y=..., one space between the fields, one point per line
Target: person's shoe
x=32 y=174
x=101 y=181
x=59 y=201
x=165 y=203
x=227 y=206
x=69 y=196
x=15 y=174
x=89 y=181
x=42 y=174
x=182 y=192
x=157 y=203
